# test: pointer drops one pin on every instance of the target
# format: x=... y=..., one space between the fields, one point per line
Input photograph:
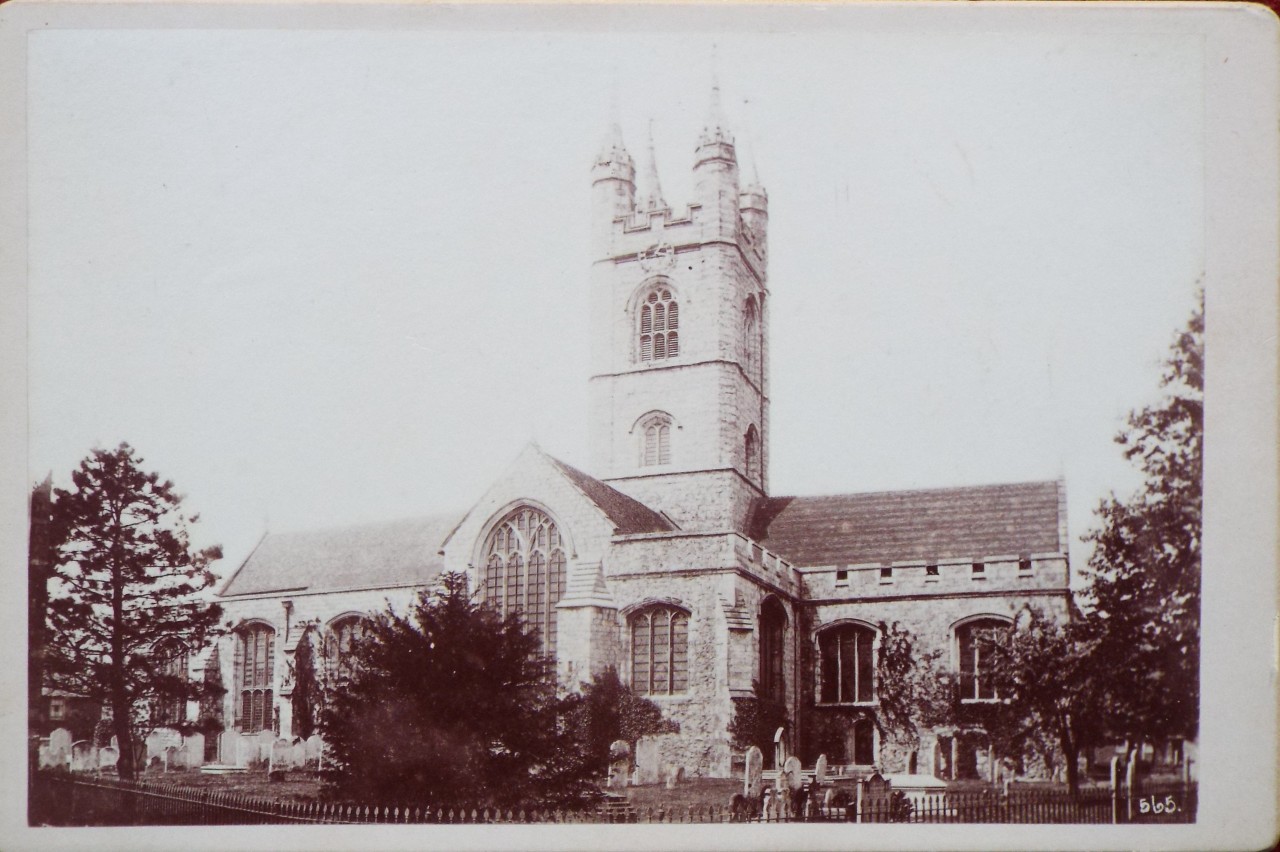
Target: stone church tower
x=679 y=385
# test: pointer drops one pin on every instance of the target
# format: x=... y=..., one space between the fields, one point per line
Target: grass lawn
x=698 y=792
x=299 y=787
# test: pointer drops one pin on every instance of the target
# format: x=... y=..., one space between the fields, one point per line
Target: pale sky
x=320 y=278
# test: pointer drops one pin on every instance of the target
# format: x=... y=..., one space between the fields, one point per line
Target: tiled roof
x=895 y=526
x=370 y=555
x=627 y=515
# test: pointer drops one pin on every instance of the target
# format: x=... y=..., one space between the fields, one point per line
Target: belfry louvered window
x=257 y=669
x=659 y=326
x=655 y=441
x=660 y=651
x=524 y=572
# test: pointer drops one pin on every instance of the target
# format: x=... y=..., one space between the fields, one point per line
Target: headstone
x=314 y=747
x=794 y=773
x=779 y=748
x=194 y=747
x=108 y=757
x=60 y=741
x=752 y=782
x=820 y=770
x=648 y=761
x=156 y=743
x=281 y=752
x=83 y=757
x=229 y=748
x=619 y=763
x=171 y=759
x=298 y=753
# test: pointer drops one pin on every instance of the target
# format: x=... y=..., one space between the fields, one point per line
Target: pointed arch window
x=524 y=571
x=773 y=632
x=659 y=650
x=340 y=643
x=256 y=651
x=975 y=646
x=659 y=326
x=751 y=451
x=847 y=667
x=655 y=440
x=751 y=342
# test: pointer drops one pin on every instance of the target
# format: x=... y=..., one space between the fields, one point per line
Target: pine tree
x=1144 y=574
x=127 y=590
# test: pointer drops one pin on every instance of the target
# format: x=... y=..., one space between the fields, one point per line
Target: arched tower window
x=256 y=647
x=659 y=326
x=655 y=440
x=524 y=571
x=975 y=644
x=847 y=664
x=751 y=451
x=659 y=650
x=751 y=339
x=773 y=633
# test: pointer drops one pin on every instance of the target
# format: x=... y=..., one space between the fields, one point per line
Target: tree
x=1144 y=575
x=449 y=704
x=607 y=710
x=306 y=698
x=1043 y=670
x=912 y=688
x=126 y=594
x=756 y=719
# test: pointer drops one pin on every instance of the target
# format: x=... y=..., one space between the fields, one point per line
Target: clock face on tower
x=659 y=257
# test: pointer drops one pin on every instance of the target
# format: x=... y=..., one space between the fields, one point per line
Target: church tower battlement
x=679 y=300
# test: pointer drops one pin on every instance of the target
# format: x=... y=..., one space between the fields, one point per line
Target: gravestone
x=314 y=749
x=674 y=775
x=280 y=751
x=83 y=757
x=156 y=743
x=820 y=770
x=648 y=761
x=229 y=748
x=875 y=798
x=171 y=758
x=298 y=753
x=60 y=741
x=619 y=763
x=794 y=773
x=779 y=748
x=108 y=757
x=752 y=782
x=193 y=745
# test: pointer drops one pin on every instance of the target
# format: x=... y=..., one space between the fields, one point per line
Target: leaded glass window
x=524 y=571
x=660 y=651
x=655 y=441
x=976 y=641
x=847 y=664
x=257 y=663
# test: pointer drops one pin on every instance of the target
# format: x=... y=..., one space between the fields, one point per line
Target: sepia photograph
x=776 y=420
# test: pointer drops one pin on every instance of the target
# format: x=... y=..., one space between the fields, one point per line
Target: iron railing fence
x=65 y=800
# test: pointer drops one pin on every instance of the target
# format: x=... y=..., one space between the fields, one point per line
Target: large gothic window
x=256 y=646
x=655 y=440
x=659 y=326
x=660 y=650
x=975 y=642
x=773 y=632
x=524 y=571
x=847 y=666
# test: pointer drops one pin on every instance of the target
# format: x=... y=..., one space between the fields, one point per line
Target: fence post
x=1115 y=789
x=1130 y=775
x=859 y=806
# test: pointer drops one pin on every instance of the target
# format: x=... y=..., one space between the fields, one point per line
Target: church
x=670 y=560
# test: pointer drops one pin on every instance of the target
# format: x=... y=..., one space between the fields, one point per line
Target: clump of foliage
x=912 y=687
x=1144 y=589
x=305 y=699
x=127 y=593
x=755 y=721
x=607 y=710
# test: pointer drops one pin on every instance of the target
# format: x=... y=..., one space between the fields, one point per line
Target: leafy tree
x=1144 y=575
x=912 y=687
x=127 y=586
x=607 y=710
x=450 y=704
x=1044 y=670
x=306 y=688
